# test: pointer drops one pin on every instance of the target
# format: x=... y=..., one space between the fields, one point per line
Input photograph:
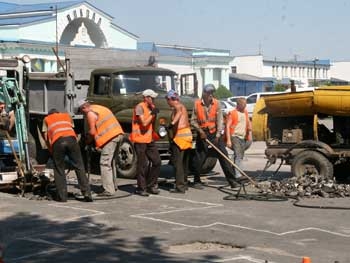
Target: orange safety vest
x=107 y=125
x=207 y=120
x=59 y=125
x=183 y=138
x=140 y=133
x=234 y=117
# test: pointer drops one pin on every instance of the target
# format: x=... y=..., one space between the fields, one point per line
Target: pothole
x=198 y=246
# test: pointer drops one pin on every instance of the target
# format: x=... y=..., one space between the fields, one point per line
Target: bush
x=222 y=92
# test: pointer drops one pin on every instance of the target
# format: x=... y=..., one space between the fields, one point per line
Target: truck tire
x=312 y=162
x=32 y=150
x=208 y=165
x=126 y=159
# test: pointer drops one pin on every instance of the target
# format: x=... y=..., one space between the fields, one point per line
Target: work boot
x=153 y=190
x=141 y=192
x=198 y=185
x=242 y=180
x=176 y=191
x=233 y=184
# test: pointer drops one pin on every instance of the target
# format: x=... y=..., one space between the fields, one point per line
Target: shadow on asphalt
x=32 y=238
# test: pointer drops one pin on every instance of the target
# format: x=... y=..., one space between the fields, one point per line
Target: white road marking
x=92 y=214
x=37 y=254
x=248 y=258
x=40 y=240
x=148 y=216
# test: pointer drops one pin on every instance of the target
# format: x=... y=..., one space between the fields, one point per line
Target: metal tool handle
x=231 y=162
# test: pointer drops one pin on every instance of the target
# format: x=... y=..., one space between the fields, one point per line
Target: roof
x=247 y=77
x=7 y=8
x=182 y=51
x=133 y=69
x=29 y=13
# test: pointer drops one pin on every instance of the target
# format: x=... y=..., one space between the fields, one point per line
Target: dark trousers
x=148 y=165
x=179 y=160
x=203 y=151
x=68 y=147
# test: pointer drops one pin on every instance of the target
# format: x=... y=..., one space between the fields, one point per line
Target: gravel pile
x=309 y=186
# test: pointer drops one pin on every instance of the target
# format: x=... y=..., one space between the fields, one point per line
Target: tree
x=222 y=92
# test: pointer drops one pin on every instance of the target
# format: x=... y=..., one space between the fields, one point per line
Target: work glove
x=154 y=111
x=216 y=141
x=170 y=126
x=202 y=135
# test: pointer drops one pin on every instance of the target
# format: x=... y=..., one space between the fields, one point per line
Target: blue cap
x=209 y=88
x=172 y=94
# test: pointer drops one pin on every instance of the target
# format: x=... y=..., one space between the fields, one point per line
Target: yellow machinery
x=309 y=130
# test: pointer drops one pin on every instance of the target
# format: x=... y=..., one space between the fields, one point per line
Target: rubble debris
x=307 y=186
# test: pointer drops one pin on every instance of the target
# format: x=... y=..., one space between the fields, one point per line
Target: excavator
x=16 y=166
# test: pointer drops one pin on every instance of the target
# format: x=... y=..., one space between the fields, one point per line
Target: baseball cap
x=209 y=88
x=149 y=93
x=172 y=95
x=82 y=102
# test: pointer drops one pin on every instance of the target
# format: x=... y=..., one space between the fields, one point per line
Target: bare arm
x=12 y=120
x=91 y=118
x=219 y=123
x=145 y=121
x=227 y=130
x=178 y=114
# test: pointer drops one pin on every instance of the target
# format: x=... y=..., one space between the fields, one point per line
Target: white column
x=225 y=78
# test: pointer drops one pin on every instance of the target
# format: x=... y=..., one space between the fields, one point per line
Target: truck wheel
x=312 y=162
x=126 y=159
x=32 y=149
x=208 y=165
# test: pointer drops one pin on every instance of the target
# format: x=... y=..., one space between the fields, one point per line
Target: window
x=252 y=99
x=136 y=82
x=101 y=85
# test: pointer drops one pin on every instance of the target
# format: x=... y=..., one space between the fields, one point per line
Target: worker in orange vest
x=207 y=119
x=143 y=136
x=238 y=132
x=181 y=141
x=62 y=142
x=105 y=131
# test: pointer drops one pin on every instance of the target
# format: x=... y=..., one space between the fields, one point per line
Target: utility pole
x=315 y=60
x=57 y=57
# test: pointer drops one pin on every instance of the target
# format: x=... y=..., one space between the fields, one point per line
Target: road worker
x=181 y=141
x=62 y=142
x=105 y=132
x=207 y=119
x=143 y=136
x=238 y=136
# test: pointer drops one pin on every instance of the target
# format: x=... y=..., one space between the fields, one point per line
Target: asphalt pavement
x=210 y=225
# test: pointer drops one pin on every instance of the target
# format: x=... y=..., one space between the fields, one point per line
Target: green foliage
x=222 y=92
x=280 y=87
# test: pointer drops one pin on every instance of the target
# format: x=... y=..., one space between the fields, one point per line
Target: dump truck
x=120 y=89
x=310 y=131
x=17 y=168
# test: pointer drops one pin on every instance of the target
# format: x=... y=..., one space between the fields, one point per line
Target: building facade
x=44 y=30
x=341 y=70
x=304 y=73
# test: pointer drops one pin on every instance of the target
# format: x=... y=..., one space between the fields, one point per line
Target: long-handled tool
x=231 y=162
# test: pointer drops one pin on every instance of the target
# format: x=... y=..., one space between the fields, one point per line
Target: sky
x=281 y=29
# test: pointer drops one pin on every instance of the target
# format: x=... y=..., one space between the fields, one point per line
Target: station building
x=44 y=30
